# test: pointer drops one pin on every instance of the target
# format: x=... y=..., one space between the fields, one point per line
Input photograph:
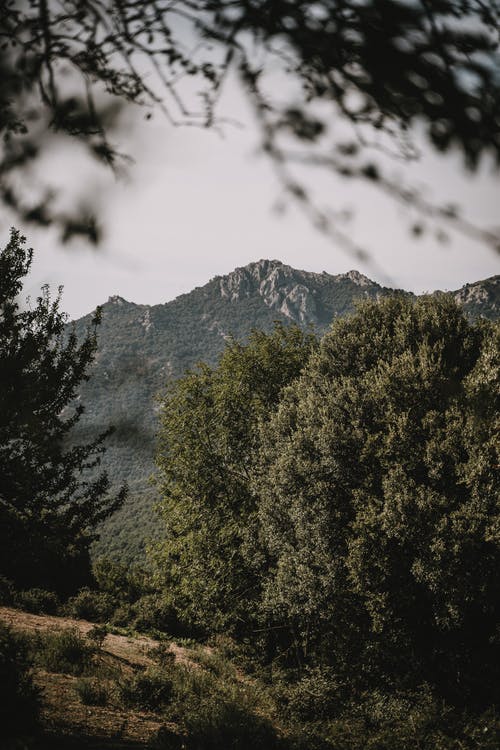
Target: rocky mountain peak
x=479 y=293
x=281 y=288
x=356 y=277
x=115 y=299
x=287 y=290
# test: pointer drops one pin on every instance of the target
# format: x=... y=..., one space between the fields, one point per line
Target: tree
x=378 y=503
x=206 y=449
x=49 y=507
x=358 y=76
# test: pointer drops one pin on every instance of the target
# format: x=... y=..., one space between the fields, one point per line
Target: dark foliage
x=7 y=592
x=218 y=712
x=149 y=690
x=125 y=597
x=37 y=601
x=89 y=604
x=18 y=696
x=49 y=507
x=91 y=692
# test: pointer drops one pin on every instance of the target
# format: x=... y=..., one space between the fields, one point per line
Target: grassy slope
x=63 y=715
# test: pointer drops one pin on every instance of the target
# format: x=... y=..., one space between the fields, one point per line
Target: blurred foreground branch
x=346 y=80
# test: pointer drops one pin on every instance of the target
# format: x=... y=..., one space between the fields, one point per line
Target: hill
x=142 y=348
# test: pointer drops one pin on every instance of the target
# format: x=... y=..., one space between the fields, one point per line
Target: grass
x=206 y=700
x=216 y=708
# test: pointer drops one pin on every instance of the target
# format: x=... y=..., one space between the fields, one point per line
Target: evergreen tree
x=48 y=508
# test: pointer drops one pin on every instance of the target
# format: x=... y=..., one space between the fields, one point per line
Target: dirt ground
x=133 y=650
x=64 y=717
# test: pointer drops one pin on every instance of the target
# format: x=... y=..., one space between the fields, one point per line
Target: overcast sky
x=196 y=204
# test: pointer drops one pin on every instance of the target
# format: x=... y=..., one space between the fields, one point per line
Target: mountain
x=480 y=299
x=142 y=348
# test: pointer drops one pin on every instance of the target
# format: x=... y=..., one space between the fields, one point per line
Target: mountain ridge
x=234 y=286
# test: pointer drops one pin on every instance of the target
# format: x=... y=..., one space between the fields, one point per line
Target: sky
x=197 y=203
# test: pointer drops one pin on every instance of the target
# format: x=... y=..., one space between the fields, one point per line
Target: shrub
x=315 y=697
x=91 y=692
x=38 y=601
x=162 y=655
x=215 y=662
x=482 y=732
x=166 y=739
x=96 y=606
x=398 y=721
x=97 y=635
x=66 y=652
x=6 y=591
x=216 y=722
x=149 y=690
x=18 y=696
x=215 y=714
x=155 y=612
x=126 y=583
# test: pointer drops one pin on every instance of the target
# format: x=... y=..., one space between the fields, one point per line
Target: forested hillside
x=142 y=348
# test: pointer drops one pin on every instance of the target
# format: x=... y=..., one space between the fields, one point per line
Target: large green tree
x=49 y=508
x=207 y=446
x=379 y=502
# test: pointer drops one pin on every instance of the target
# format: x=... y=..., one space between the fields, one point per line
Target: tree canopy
x=338 y=502
x=49 y=508
x=378 y=501
x=333 y=83
x=206 y=451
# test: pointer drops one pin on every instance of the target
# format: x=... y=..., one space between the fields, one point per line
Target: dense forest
x=328 y=529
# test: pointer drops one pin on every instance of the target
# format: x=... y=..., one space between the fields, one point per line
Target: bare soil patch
x=130 y=649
